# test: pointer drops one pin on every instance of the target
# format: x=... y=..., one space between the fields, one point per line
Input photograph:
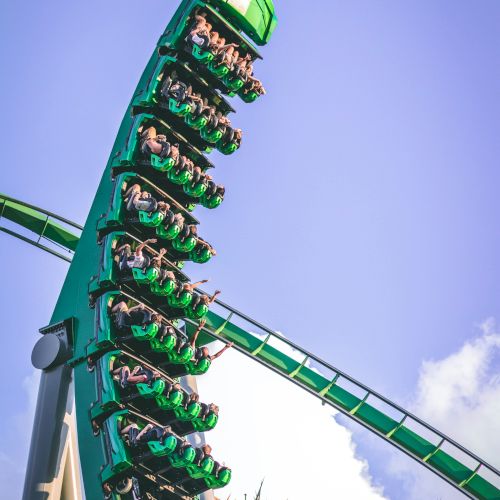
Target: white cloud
x=459 y=395
x=270 y=429
x=463 y=390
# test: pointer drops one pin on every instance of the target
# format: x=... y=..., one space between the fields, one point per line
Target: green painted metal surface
x=43 y=227
x=256 y=18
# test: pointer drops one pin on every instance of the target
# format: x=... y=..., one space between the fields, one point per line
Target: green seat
x=182 y=357
x=200 y=257
x=162 y=165
x=165 y=289
x=144 y=332
x=212 y=136
x=184 y=246
x=200 y=311
x=183 y=459
x=179 y=109
x=204 y=56
x=168 y=233
x=196 y=123
x=220 y=481
x=150 y=220
x=203 y=470
x=181 y=177
x=192 y=411
x=228 y=148
x=212 y=202
x=181 y=301
x=249 y=96
x=145 y=276
x=153 y=390
x=166 y=345
x=199 y=368
x=195 y=191
x=173 y=400
x=208 y=424
x=160 y=450
x=232 y=83
x=219 y=71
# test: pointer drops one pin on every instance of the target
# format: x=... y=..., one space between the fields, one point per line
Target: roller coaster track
x=437 y=452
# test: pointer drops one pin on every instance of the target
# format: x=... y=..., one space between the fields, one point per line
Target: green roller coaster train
x=125 y=341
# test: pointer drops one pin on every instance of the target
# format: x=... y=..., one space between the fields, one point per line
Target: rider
x=127 y=316
x=138 y=375
x=203 y=352
x=142 y=200
x=129 y=259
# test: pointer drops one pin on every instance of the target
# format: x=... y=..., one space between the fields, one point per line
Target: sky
x=363 y=202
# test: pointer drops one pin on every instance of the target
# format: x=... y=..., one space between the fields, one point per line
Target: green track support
x=45 y=230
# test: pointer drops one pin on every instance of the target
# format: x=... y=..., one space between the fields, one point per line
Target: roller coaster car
x=143 y=223
x=111 y=395
x=159 y=169
x=155 y=94
x=172 y=460
x=150 y=400
x=137 y=279
x=141 y=337
x=124 y=456
x=132 y=156
x=226 y=78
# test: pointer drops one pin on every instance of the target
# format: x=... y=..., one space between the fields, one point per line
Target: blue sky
x=363 y=200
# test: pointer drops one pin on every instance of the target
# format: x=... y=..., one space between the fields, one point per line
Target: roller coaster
x=128 y=309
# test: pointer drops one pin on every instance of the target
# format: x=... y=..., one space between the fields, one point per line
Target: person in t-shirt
x=129 y=259
x=200 y=32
